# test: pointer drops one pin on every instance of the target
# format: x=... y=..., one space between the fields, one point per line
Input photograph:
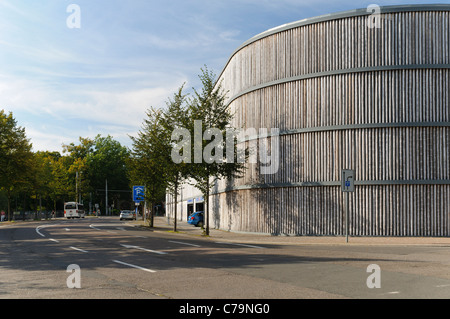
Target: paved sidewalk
x=183 y=228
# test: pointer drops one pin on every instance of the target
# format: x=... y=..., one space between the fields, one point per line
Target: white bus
x=73 y=210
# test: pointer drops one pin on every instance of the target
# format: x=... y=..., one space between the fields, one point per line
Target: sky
x=97 y=67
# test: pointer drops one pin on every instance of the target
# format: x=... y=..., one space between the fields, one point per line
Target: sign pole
x=347 y=186
x=106 y=197
x=139 y=196
x=346 y=218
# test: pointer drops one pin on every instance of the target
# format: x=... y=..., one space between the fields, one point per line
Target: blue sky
x=62 y=83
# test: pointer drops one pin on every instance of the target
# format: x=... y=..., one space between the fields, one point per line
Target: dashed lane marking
x=78 y=249
x=182 y=243
x=133 y=266
x=144 y=249
x=236 y=244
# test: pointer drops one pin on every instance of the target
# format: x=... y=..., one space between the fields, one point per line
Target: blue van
x=196 y=219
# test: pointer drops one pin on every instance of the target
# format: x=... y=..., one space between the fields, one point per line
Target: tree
x=53 y=180
x=108 y=161
x=76 y=167
x=174 y=117
x=62 y=182
x=94 y=161
x=43 y=177
x=209 y=114
x=149 y=158
x=16 y=157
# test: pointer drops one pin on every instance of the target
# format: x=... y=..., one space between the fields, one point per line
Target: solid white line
x=134 y=266
x=38 y=228
x=43 y=226
x=56 y=241
x=145 y=249
x=179 y=242
x=75 y=248
x=37 y=231
x=245 y=245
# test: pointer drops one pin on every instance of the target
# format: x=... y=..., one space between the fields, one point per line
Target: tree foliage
x=209 y=107
x=96 y=162
x=42 y=179
x=16 y=157
x=148 y=159
x=83 y=168
x=205 y=119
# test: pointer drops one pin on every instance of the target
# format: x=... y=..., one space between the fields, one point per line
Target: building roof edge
x=336 y=16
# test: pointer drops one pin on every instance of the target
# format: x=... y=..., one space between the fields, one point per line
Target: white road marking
x=106 y=225
x=244 y=245
x=75 y=248
x=56 y=241
x=179 y=242
x=37 y=231
x=42 y=226
x=93 y=227
x=134 y=266
x=109 y=231
x=145 y=249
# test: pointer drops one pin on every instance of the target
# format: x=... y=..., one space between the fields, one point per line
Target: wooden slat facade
x=344 y=95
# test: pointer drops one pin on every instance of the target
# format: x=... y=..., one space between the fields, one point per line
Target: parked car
x=127 y=214
x=196 y=219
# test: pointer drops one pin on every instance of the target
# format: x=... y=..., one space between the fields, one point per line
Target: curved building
x=363 y=90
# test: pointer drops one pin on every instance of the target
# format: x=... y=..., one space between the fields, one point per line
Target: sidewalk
x=185 y=229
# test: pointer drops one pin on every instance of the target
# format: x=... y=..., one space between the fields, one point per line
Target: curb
x=160 y=224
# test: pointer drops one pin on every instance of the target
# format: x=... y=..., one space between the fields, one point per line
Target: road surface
x=117 y=260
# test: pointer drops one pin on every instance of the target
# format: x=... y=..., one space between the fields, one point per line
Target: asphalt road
x=117 y=260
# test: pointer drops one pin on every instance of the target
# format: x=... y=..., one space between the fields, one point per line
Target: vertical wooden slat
x=372 y=97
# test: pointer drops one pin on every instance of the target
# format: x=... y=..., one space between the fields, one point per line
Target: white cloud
x=229 y=35
x=56 y=115
x=61 y=84
x=121 y=107
x=21 y=94
x=45 y=141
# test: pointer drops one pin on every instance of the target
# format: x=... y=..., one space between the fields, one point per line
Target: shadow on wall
x=279 y=204
x=275 y=204
x=297 y=210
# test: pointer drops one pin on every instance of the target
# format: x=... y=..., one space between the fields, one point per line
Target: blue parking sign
x=138 y=193
x=348 y=180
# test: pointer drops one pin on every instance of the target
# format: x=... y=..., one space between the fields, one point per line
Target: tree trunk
x=175 y=215
x=207 y=207
x=9 y=204
x=151 y=214
x=176 y=204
